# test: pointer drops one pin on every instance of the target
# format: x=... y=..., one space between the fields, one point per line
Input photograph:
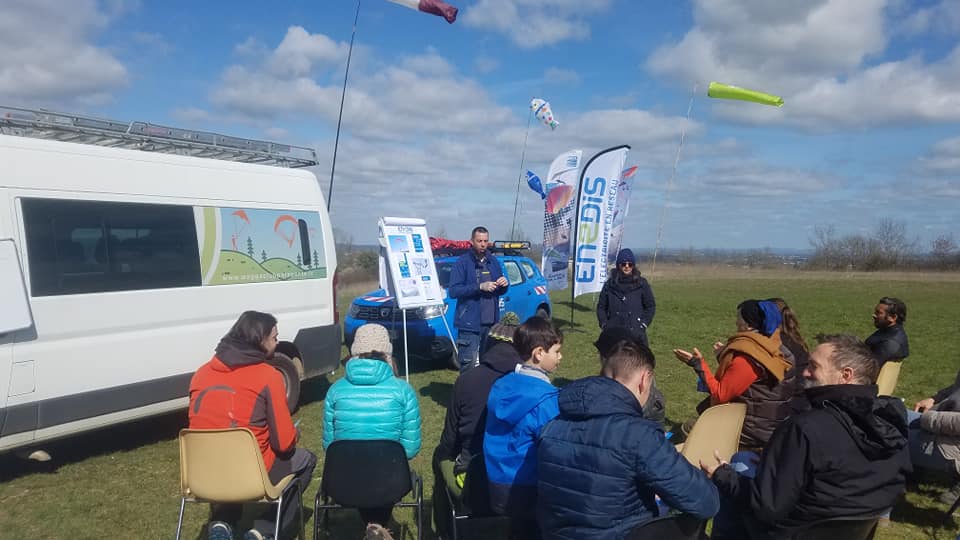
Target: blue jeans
x=469 y=345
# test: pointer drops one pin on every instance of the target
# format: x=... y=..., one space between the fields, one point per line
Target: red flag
x=433 y=7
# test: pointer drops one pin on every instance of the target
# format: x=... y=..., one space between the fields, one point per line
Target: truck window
x=514 y=275
x=76 y=247
x=528 y=269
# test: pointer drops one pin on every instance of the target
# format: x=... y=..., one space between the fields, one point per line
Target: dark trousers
x=301 y=463
x=469 y=345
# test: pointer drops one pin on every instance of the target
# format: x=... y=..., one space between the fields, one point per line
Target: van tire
x=543 y=313
x=291 y=378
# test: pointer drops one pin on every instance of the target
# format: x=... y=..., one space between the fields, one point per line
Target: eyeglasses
x=626 y=265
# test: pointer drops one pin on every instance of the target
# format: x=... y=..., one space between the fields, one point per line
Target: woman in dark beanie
x=626 y=299
x=751 y=369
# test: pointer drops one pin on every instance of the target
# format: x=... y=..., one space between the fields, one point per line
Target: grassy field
x=123 y=482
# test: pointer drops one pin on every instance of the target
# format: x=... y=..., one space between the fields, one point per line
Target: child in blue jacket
x=520 y=404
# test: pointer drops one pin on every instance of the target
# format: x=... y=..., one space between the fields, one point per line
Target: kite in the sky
x=541 y=109
x=535 y=184
x=433 y=7
x=726 y=91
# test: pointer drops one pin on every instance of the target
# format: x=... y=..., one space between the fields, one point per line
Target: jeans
x=469 y=345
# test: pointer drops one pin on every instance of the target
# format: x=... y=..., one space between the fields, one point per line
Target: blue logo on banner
x=417 y=243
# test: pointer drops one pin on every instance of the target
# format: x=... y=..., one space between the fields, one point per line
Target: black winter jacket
x=845 y=456
x=600 y=463
x=889 y=343
x=630 y=305
x=467 y=414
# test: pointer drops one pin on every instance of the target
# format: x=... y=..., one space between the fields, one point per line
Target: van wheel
x=543 y=313
x=291 y=378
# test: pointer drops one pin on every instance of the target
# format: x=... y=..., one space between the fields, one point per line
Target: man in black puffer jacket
x=462 y=436
x=600 y=463
x=626 y=299
x=845 y=456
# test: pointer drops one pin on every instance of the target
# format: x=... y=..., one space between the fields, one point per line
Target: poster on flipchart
x=407 y=270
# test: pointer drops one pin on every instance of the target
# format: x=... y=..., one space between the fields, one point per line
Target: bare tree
x=943 y=251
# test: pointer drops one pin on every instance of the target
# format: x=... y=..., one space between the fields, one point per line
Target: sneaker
x=254 y=534
x=219 y=530
x=375 y=531
x=950 y=496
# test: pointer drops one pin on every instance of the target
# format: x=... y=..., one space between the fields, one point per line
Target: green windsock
x=726 y=91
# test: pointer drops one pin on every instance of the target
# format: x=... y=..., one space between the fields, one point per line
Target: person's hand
x=488 y=286
x=923 y=405
x=687 y=357
x=501 y=282
x=717 y=347
x=709 y=468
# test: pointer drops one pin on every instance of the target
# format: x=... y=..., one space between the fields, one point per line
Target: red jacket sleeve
x=739 y=375
x=283 y=435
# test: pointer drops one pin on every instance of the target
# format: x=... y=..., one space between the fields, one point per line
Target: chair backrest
x=887 y=379
x=847 y=528
x=718 y=428
x=222 y=465
x=365 y=474
x=678 y=527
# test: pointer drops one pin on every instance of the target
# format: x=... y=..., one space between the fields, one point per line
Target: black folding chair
x=472 y=503
x=366 y=474
x=676 y=527
x=847 y=528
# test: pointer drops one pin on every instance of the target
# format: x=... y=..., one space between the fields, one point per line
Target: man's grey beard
x=811 y=383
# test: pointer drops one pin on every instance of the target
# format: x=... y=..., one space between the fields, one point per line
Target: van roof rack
x=44 y=124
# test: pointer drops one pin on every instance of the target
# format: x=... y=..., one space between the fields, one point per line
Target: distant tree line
x=887 y=247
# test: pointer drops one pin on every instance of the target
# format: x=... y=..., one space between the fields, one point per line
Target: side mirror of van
x=15 y=314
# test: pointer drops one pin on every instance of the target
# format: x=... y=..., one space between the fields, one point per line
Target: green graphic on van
x=254 y=245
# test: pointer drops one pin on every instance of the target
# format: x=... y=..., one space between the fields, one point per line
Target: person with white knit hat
x=371 y=403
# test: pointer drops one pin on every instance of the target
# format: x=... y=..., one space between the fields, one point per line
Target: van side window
x=76 y=247
x=528 y=269
x=514 y=275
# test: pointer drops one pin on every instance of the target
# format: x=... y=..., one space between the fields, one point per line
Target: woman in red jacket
x=751 y=369
x=238 y=388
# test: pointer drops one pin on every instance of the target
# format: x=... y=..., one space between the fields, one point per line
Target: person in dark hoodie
x=238 y=388
x=520 y=404
x=654 y=408
x=462 y=438
x=846 y=456
x=601 y=463
x=626 y=299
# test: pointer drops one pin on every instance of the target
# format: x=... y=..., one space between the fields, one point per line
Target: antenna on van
x=76 y=128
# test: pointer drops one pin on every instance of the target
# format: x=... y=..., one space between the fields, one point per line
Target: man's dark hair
x=535 y=332
x=896 y=307
x=476 y=230
x=252 y=328
x=626 y=358
x=850 y=352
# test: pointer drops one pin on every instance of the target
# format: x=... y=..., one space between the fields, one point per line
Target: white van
x=121 y=267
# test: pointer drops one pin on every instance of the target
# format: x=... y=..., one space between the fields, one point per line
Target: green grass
x=123 y=482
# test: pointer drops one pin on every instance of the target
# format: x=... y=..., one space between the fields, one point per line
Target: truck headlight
x=432 y=312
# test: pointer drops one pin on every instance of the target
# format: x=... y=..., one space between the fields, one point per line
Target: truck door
x=15 y=317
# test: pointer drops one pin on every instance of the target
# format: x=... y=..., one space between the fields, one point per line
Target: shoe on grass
x=375 y=531
x=254 y=534
x=219 y=530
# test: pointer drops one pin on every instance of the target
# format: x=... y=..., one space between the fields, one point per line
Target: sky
x=436 y=115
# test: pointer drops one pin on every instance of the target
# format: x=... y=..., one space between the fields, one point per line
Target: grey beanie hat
x=371 y=337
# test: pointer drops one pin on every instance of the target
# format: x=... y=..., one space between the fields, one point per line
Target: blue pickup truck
x=427 y=335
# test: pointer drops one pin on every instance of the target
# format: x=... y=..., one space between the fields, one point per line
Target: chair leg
x=303 y=530
x=419 y=509
x=953 y=509
x=276 y=525
x=180 y=520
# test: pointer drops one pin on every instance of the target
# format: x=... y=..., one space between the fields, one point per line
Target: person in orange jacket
x=238 y=388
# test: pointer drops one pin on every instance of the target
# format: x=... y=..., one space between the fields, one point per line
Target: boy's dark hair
x=895 y=306
x=476 y=230
x=626 y=358
x=252 y=328
x=535 y=332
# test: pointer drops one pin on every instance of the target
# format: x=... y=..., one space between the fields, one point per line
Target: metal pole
x=406 y=355
x=666 y=198
x=523 y=155
x=343 y=95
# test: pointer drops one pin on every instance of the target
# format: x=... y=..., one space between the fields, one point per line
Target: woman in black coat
x=626 y=299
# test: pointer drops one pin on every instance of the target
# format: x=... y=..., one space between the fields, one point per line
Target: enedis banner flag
x=594 y=221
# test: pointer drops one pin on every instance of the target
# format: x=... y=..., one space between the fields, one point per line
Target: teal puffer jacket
x=370 y=403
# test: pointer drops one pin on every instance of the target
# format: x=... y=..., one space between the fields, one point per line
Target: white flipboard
x=407 y=270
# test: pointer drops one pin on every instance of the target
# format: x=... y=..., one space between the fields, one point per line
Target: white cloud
x=60 y=63
x=301 y=52
x=942 y=18
x=486 y=64
x=555 y=76
x=820 y=56
x=535 y=23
